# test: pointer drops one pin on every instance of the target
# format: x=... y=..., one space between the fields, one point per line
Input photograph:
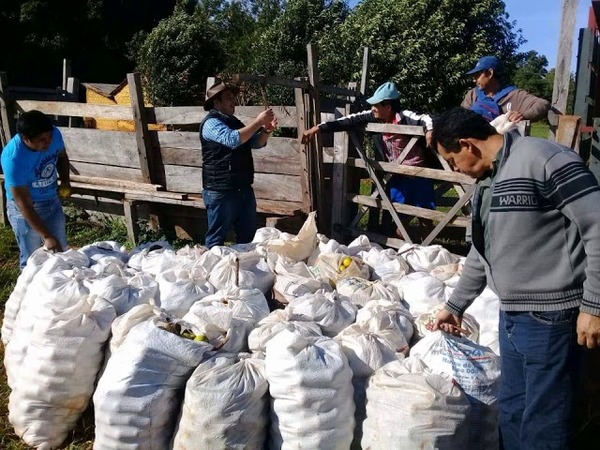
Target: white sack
x=421 y=291
x=468 y=324
x=138 y=397
x=225 y=405
x=409 y=407
x=179 y=289
x=248 y=270
x=389 y=320
x=290 y=286
x=477 y=371
x=311 y=388
x=59 y=261
x=57 y=376
x=385 y=264
x=300 y=247
x=329 y=311
x=427 y=258
x=102 y=249
x=275 y=323
x=331 y=267
x=361 y=291
x=125 y=293
x=227 y=317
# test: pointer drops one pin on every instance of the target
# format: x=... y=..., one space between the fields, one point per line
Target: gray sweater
x=544 y=221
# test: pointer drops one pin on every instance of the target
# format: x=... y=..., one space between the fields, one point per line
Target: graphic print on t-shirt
x=45 y=172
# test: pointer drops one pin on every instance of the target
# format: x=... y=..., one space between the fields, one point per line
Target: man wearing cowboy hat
x=227 y=166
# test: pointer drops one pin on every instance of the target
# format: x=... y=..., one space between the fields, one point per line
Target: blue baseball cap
x=485 y=63
x=387 y=91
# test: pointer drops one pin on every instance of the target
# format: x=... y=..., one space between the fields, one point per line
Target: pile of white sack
x=289 y=342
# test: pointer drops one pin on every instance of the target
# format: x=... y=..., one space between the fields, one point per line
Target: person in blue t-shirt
x=32 y=162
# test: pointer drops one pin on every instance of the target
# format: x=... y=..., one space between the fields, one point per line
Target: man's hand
x=64 y=190
x=51 y=244
x=429 y=138
x=448 y=322
x=588 y=330
x=514 y=116
x=308 y=134
x=266 y=117
x=271 y=126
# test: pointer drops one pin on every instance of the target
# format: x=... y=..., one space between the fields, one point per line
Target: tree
x=177 y=56
x=281 y=48
x=425 y=46
x=531 y=74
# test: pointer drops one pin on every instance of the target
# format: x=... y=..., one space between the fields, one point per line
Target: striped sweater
x=544 y=228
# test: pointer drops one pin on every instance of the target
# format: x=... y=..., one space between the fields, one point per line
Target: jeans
x=29 y=240
x=540 y=372
x=235 y=207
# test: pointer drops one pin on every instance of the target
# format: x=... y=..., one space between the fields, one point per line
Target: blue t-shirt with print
x=35 y=169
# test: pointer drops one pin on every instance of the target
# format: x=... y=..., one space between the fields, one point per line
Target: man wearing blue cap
x=493 y=96
x=386 y=108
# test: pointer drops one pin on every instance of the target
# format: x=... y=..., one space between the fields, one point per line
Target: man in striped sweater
x=536 y=243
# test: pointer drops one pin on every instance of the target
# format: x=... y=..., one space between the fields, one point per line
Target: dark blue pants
x=226 y=209
x=540 y=373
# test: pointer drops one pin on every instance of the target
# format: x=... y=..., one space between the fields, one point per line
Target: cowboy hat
x=217 y=87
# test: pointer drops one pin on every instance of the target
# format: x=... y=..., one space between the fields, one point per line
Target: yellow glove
x=64 y=191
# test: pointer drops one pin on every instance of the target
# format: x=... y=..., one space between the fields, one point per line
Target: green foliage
x=532 y=75
x=281 y=48
x=176 y=58
x=424 y=46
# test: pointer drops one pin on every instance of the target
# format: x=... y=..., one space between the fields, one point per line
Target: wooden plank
x=117 y=148
x=105 y=171
x=190 y=115
x=142 y=135
x=407 y=209
x=116 y=183
x=450 y=215
x=280 y=155
x=77 y=109
x=266 y=185
x=131 y=220
x=303 y=122
x=339 y=185
x=365 y=72
x=567 y=132
x=295 y=83
x=560 y=92
x=424 y=172
x=118 y=189
x=3 y=213
x=66 y=73
x=6 y=120
x=323 y=217
x=263 y=205
x=396 y=129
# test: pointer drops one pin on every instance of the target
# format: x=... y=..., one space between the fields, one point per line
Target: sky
x=540 y=21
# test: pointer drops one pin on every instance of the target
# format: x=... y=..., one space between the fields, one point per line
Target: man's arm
x=574 y=191
x=524 y=105
x=342 y=124
x=216 y=130
x=469 y=99
x=24 y=202
x=423 y=120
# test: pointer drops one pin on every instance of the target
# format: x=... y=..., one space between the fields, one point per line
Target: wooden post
x=66 y=73
x=339 y=185
x=131 y=220
x=305 y=175
x=317 y=149
x=142 y=135
x=6 y=130
x=562 y=76
x=364 y=78
x=73 y=91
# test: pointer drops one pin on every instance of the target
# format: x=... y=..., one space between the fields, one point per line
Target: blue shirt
x=215 y=130
x=34 y=169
